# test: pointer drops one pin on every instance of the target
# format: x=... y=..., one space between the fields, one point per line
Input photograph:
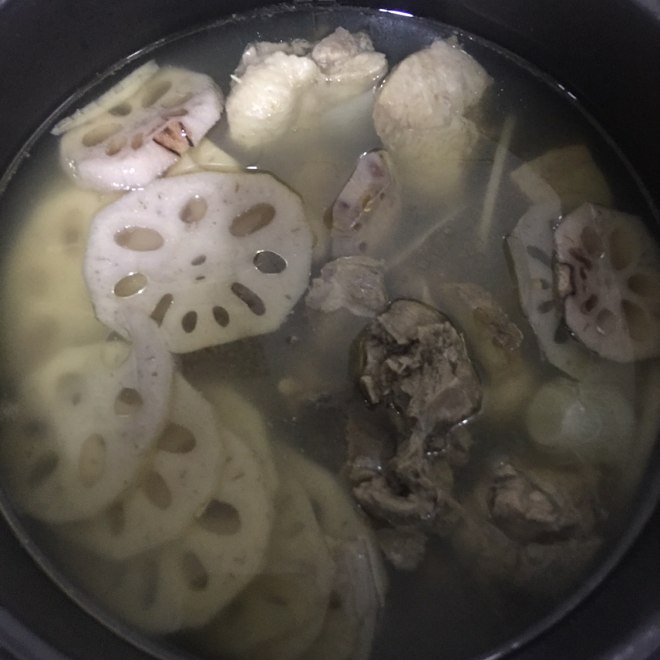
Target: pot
x=607 y=59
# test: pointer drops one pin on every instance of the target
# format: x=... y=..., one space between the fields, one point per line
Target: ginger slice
x=91 y=415
x=136 y=140
x=212 y=257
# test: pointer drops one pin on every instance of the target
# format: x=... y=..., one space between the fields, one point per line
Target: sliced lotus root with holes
x=113 y=98
x=92 y=414
x=185 y=582
x=174 y=483
x=246 y=423
x=531 y=248
x=211 y=257
x=290 y=596
x=47 y=305
x=136 y=140
x=608 y=275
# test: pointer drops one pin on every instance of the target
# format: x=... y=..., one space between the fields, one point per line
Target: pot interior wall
x=608 y=59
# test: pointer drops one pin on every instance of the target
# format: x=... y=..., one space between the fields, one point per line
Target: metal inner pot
x=48 y=50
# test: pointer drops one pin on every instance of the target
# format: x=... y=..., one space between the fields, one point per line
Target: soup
x=371 y=345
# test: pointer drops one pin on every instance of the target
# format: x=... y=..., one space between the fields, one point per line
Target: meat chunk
x=275 y=84
x=419 y=114
x=529 y=528
x=353 y=283
x=415 y=368
x=415 y=360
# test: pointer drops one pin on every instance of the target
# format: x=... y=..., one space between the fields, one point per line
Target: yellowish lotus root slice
x=177 y=479
x=46 y=303
x=137 y=139
x=185 y=582
x=211 y=257
x=289 y=598
x=92 y=414
x=608 y=276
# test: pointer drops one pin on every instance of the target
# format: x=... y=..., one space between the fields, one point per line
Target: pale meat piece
x=275 y=85
x=419 y=114
x=353 y=283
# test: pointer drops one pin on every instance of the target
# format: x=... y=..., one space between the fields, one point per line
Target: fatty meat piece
x=212 y=257
x=47 y=307
x=136 y=140
x=94 y=412
x=275 y=85
x=177 y=479
x=419 y=114
x=608 y=278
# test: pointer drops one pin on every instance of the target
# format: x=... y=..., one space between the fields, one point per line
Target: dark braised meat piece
x=403 y=548
x=415 y=360
x=530 y=529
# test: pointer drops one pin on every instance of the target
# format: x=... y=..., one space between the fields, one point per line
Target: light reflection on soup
x=376 y=357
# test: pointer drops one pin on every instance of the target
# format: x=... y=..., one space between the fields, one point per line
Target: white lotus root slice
x=367 y=209
x=285 y=605
x=531 y=247
x=608 y=275
x=135 y=141
x=116 y=95
x=176 y=480
x=47 y=307
x=185 y=582
x=211 y=257
x=95 y=413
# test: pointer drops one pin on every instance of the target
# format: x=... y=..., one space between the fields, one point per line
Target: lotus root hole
x=122 y=110
x=71 y=236
x=116 y=518
x=157 y=491
x=176 y=99
x=99 y=134
x=637 y=320
x=255 y=218
x=221 y=316
x=150 y=583
x=589 y=304
x=174 y=112
x=189 y=321
x=130 y=285
x=115 y=145
x=220 y=518
x=198 y=261
x=35 y=429
x=605 y=322
x=161 y=308
x=155 y=91
x=139 y=239
x=42 y=469
x=91 y=461
x=592 y=242
x=176 y=439
x=128 y=401
x=137 y=141
x=624 y=248
x=254 y=303
x=195 y=575
x=646 y=285
x=70 y=387
x=269 y=263
x=193 y=210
